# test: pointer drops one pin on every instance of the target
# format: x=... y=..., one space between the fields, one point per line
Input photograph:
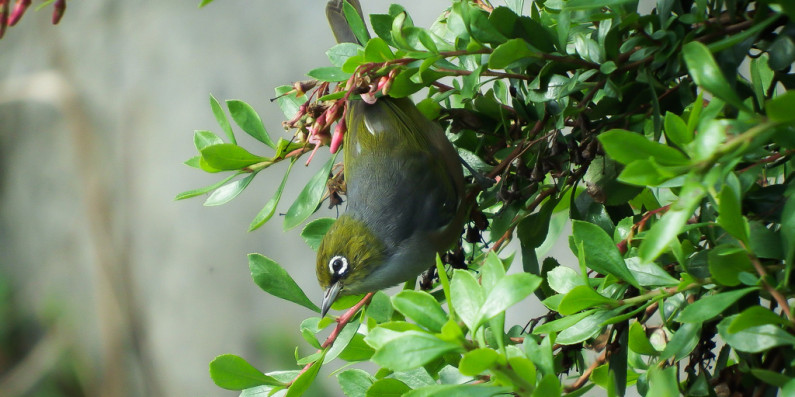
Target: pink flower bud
x=339 y=134
x=19 y=10
x=58 y=10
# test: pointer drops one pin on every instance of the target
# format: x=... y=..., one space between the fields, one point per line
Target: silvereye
x=405 y=200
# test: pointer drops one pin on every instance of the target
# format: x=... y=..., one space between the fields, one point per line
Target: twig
x=342 y=321
x=587 y=374
x=777 y=296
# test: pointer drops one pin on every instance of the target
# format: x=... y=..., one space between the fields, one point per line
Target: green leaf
x=765 y=243
x=761 y=77
x=380 y=308
x=683 y=342
x=676 y=130
x=755 y=339
x=788 y=232
x=314 y=231
x=549 y=386
x=194 y=162
x=582 y=297
x=467 y=297
x=476 y=361
x=411 y=349
x=355 y=22
x=561 y=323
x=664 y=231
x=638 y=342
x=726 y=262
x=780 y=108
x=228 y=157
x=782 y=52
x=707 y=75
x=731 y=217
x=415 y=378
x=202 y=139
x=247 y=118
x=510 y=52
x=458 y=391
x=662 y=382
x=266 y=213
x=588 y=327
x=340 y=53
x=226 y=193
x=234 y=373
x=220 y=117
x=649 y=274
x=288 y=101
x=377 y=50
x=754 y=316
x=343 y=339
x=357 y=350
x=355 y=382
x=589 y=4
x=273 y=279
x=387 y=387
x=563 y=279
x=421 y=307
x=203 y=190
x=770 y=377
x=303 y=381
x=626 y=146
x=492 y=271
x=402 y=86
x=329 y=73
x=508 y=291
x=710 y=306
x=308 y=200
x=541 y=354
x=601 y=253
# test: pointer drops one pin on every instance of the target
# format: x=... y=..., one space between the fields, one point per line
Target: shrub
x=666 y=139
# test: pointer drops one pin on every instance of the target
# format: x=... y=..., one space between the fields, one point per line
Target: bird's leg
x=482 y=180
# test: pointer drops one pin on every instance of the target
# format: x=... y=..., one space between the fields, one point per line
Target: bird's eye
x=338 y=265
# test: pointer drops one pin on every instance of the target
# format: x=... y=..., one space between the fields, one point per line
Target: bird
x=405 y=200
x=404 y=188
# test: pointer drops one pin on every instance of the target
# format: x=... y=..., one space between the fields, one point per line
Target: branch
x=777 y=296
x=342 y=321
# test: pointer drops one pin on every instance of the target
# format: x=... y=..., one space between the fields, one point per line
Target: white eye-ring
x=338 y=265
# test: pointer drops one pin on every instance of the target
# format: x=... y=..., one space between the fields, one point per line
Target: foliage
x=672 y=160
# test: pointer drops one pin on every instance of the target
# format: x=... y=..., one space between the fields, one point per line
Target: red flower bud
x=19 y=10
x=58 y=10
x=336 y=138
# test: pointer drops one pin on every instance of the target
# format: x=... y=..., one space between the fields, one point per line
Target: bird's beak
x=331 y=295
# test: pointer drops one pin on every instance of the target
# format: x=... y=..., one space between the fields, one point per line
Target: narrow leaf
x=249 y=121
x=220 y=117
x=228 y=157
x=706 y=73
x=273 y=279
x=226 y=193
x=708 y=307
x=314 y=231
x=308 y=200
x=269 y=209
x=203 y=190
x=508 y=291
x=626 y=146
x=421 y=307
x=600 y=252
x=234 y=373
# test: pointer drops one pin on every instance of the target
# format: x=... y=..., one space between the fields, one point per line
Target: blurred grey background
x=115 y=288
x=109 y=287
